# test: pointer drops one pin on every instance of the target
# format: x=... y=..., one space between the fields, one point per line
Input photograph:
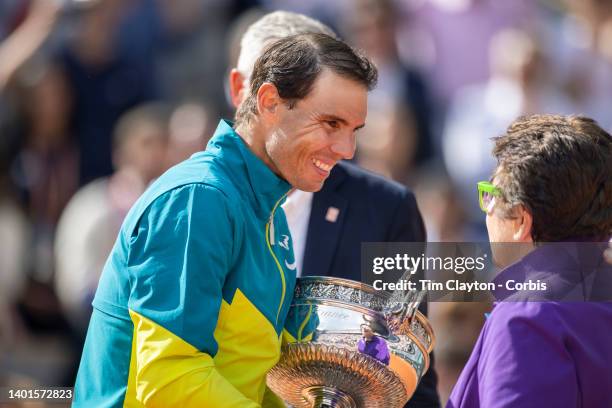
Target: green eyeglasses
x=486 y=192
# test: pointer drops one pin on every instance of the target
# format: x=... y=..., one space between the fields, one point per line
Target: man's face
x=305 y=142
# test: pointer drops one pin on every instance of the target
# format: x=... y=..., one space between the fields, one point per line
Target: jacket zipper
x=270 y=241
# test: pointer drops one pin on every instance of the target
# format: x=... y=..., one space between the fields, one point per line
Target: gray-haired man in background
x=354 y=206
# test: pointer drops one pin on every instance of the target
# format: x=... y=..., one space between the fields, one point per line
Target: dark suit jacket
x=371 y=209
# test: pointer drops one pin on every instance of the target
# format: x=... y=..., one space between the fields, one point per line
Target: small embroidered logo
x=284 y=242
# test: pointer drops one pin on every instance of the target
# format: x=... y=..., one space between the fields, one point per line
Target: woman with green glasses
x=486 y=192
x=552 y=186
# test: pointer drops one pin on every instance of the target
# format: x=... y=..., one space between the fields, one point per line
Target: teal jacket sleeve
x=179 y=255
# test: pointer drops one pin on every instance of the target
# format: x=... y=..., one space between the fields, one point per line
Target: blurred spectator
x=11 y=13
x=24 y=29
x=456 y=326
x=519 y=85
x=191 y=56
x=442 y=212
x=89 y=225
x=29 y=35
x=124 y=53
x=110 y=68
x=13 y=255
x=581 y=48
x=189 y=128
x=387 y=145
x=398 y=136
x=45 y=168
x=325 y=11
x=450 y=38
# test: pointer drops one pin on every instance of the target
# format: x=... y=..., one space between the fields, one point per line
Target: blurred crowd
x=99 y=97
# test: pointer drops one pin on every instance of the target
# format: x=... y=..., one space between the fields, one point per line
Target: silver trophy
x=351 y=346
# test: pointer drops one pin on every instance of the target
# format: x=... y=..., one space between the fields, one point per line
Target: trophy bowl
x=327 y=362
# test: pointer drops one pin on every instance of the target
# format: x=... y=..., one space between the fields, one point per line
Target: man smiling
x=193 y=298
x=303 y=141
x=354 y=206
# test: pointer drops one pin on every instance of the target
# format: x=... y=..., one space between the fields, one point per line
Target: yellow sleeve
x=166 y=371
x=174 y=322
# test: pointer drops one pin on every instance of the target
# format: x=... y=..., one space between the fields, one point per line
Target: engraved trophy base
x=320 y=396
x=316 y=376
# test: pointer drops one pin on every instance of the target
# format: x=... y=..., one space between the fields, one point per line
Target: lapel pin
x=332 y=214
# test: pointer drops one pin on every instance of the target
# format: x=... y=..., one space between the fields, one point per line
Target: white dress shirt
x=297 y=210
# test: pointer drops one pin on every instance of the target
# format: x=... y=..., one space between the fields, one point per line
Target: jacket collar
x=254 y=177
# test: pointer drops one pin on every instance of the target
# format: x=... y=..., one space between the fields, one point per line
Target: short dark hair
x=293 y=64
x=560 y=169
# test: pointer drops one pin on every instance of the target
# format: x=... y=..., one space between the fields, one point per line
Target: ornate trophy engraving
x=351 y=346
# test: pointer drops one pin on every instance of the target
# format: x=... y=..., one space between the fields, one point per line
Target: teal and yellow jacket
x=192 y=300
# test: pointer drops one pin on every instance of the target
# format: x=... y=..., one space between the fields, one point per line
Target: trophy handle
x=400 y=313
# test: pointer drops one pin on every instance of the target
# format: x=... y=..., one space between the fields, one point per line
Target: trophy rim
x=346 y=282
x=360 y=308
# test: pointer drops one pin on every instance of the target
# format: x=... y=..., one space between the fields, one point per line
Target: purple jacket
x=547 y=353
x=377 y=348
